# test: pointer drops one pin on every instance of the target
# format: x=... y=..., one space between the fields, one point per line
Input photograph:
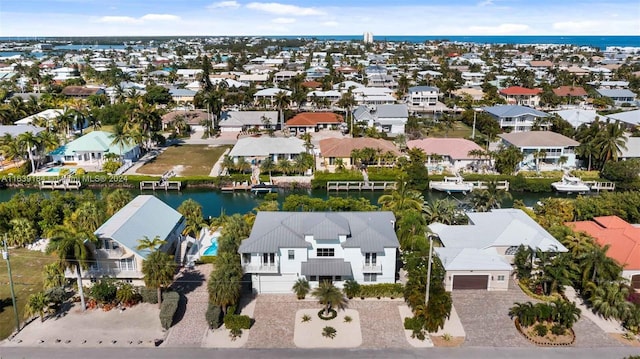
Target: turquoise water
x=54 y=170
x=212 y=250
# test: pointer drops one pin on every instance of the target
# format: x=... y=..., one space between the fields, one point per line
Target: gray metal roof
x=502 y=111
x=538 y=139
x=370 y=231
x=145 y=215
x=633 y=148
x=14 y=130
x=328 y=267
x=616 y=93
x=423 y=89
x=392 y=111
x=498 y=228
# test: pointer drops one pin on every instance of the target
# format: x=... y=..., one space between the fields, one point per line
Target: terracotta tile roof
x=312 y=84
x=543 y=63
x=314 y=118
x=564 y=91
x=342 y=147
x=456 y=148
x=79 y=91
x=518 y=90
x=622 y=237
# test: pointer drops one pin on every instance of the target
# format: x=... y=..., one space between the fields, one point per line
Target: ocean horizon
x=597 y=41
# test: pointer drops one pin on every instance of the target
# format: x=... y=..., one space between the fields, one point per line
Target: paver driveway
x=484 y=316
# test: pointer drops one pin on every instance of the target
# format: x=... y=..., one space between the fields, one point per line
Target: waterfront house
x=389 y=119
x=423 y=97
x=619 y=96
x=182 y=96
x=577 y=117
x=256 y=149
x=517 y=95
x=82 y=92
x=91 y=148
x=623 y=240
x=314 y=122
x=267 y=97
x=319 y=246
x=196 y=119
x=450 y=153
x=237 y=121
x=116 y=255
x=336 y=150
x=554 y=145
x=571 y=93
x=517 y=118
x=479 y=255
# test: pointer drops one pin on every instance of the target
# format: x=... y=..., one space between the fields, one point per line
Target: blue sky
x=314 y=17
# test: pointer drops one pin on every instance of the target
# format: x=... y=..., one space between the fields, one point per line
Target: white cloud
x=576 y=26
x=502 y=29
x=160 y=17
x=283 y=20
x=118 y=19
x=283 y=9
x=224 y=4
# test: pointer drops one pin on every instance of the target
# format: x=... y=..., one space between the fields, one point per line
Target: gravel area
x=275 y=322
x=190 y=325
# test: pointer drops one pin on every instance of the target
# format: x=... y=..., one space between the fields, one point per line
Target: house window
x=268 y=258
x=325 y=252
x=246 y=258
x=370 y=259
x=511 y=251
x=500 y=278
x=127 y=264
x=370 y=277
x=313 y=278
x=337 y=278
x=292 y=254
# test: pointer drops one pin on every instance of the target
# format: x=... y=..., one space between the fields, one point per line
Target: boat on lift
x=263 y=187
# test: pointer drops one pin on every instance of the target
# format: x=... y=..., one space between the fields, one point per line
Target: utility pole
x=5 y=256
x=473 y=132
x=426 y=297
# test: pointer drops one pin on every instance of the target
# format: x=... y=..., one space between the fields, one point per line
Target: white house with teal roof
x=91 y=148
x=116 y=255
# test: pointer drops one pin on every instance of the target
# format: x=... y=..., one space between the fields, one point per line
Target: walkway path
x=190 y=324
x=607 y=325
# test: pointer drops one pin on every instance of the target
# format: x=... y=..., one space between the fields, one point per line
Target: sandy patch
x=618 y=337
x=221 y=338
x=178 y=169
x=309 y=334
x=439 y=341
x=135 y=326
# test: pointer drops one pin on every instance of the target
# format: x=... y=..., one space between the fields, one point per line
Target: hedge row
x=168 y=308
x=213 y=316
x=149 y=295
x=387 y=290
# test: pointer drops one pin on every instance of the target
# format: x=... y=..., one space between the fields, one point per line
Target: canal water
x=215 y=202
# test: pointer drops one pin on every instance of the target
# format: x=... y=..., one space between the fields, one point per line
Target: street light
x=426 y=297
x=5 y=256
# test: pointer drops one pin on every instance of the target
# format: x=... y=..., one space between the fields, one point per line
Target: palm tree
x=267 y=165
x=284 y=166
x=597 y=267
x=224 y=284
x=611 y=141
x=22 y=232
x=29 y=143
x=116 y=200
x=158 y=269
x=192 y=212
x=282 y=101
x=539 y=155
x=70 y=245
x=52 y=276
x=567 y=314
x=37 y=303
x=228 y=163
x=329 y=296
x=87 y=217
x=146 y=243
x=609 y=300
x=484 y=200
x=401 y=199
x=121 y=137
x=301 y=288
x=444 y=211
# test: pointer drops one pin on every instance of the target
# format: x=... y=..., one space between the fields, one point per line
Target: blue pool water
x=54 y=169
x=212 y=250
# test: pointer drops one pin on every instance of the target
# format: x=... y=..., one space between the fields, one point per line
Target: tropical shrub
x=386 y=290
x=331 y=314
x=416 y=325
x=214 y=316
x=37 y=304
x=127 y=294
x=348 y=319
x=168 y=309
x=351 y=288
x=541 y=329
x=235 y=321
x=301 y=288
x=306 y=318
x=329 y=332
x=57 y=296
x=104 y=291
x=558 y=329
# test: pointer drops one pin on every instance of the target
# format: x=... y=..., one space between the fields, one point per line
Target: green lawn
x=26 y=270
x=460 y=130
x=185 y=160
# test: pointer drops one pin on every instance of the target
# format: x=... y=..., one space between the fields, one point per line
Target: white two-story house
x=423 y=96
x=319 y=246
x=516 y=118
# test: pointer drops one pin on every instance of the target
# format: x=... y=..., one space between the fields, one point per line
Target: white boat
x=263 y=187
x=452 y=185
x=570 y=184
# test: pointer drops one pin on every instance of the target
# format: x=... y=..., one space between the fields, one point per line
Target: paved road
x=198 y=353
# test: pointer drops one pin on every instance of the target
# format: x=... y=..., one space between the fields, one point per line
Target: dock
x=165 y=185
x=236 y=186
x=473 y=184
x=63 y=183
x=601 y=186
x=337 y=186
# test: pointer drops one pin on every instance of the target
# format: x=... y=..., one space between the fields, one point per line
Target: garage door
x=635 y=281
x=470 y=281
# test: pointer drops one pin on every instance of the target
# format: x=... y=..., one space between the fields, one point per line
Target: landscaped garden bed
x=532 y=333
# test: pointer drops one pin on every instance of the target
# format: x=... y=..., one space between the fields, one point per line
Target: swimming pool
x=58 y=169
x=212 y=250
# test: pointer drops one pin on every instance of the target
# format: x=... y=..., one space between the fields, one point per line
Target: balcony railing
x=372 y=268
x=260 y=268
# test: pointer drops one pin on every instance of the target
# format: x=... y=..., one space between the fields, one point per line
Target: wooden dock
x=63 y=183
x=601 y=186
x=337 y=186
x=165 y=185
x=476 y=184
x=236 y=186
